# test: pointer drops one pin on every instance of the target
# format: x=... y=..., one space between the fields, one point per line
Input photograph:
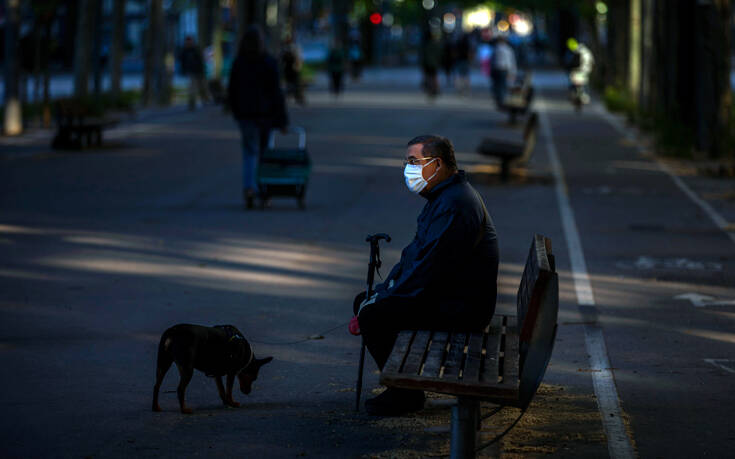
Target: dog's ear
x=261 y=362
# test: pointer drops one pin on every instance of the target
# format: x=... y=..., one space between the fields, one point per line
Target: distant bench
x=511 y=152
x=77 y=124
x=504 y=364
x=519 y=98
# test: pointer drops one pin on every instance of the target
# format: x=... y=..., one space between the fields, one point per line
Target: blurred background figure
x=462 y=64
x=502 y=69
x=579 y=63
x=291 y=60
x=192 y=65
x=336 y=67
x=431 y=58
x=448 y=59
x=257 y=104
x=355 y=57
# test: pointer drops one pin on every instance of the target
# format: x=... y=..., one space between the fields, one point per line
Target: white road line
x=618 y=443
x=718 y=219
x=716 y=362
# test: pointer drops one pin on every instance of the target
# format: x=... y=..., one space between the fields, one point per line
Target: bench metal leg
x=505 y=170
x=465 y=420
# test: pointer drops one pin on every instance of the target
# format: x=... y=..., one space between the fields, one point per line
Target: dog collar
x=250 y=360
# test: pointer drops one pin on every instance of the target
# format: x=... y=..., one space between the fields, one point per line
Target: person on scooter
x=580 y=64
x=446 y=277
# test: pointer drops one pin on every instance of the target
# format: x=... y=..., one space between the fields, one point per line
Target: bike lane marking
x=618 y=443
x=718 y=219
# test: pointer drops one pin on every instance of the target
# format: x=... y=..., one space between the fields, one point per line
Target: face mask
x=414 y=179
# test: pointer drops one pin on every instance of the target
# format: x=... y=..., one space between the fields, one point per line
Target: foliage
x=618 y=100
x=672 y=138
x=91 y=105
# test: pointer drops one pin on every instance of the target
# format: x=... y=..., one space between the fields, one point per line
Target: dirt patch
x=557 y=423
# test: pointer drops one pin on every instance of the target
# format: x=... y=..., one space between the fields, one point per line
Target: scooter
x=578 y=94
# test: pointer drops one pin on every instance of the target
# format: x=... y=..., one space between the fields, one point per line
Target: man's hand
x=368 y=301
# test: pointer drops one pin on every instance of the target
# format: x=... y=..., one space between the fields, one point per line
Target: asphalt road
x=100 y=251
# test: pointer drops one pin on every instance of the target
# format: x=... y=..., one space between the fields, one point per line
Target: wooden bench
x=511 y=152
x=504 y=364
x=77 y=124
x=519 y=98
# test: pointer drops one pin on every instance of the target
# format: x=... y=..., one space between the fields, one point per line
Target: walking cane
x=373 y=265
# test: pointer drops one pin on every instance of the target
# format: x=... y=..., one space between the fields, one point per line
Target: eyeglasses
x=416 y=161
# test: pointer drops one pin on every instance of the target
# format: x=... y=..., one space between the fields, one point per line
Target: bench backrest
x=537 y=306
x=529 y=137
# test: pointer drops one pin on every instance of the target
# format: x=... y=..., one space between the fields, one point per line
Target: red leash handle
x=354 y=326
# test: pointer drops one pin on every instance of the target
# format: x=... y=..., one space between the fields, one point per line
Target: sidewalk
x=102 y=250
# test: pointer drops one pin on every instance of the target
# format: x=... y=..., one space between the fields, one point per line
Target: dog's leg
x=186 y=372
x=164 y=362
x=221 y=389
x=230 y=382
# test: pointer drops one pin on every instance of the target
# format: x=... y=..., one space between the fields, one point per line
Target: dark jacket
x=192 y=62
x=254 y=91
x=452 y=263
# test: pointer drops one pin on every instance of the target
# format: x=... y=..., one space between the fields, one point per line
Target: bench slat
x=455 y=357
x=398 y=356
x=492 y=352
x=498 y=393
x=415 y=356
x=511 y=357
x=435 y=356
x=471 y=372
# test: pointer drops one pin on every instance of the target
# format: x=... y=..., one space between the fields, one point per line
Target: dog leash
x=313 y=337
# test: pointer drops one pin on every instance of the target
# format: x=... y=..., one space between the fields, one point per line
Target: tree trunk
x=340 y=33
x=618 y=21
x=82 y=46
x=36 y=61
x=242 y=12
x=711 y=77
x=47 y=77
x=155 y=79
x=216 y=40
x=648 y=69
x=13 y=124
x=204 y=30
x=117 y=47
x=634 y=52
x=97 y=47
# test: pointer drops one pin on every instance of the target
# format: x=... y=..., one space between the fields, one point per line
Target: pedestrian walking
x=336 y=67
x=502 y=70
x=291 y=62
x=463 y=55
x=257 y=103
x=355 y=57
x=448 y=59
x=192 y=65
x=430 y=62
x=446 y=277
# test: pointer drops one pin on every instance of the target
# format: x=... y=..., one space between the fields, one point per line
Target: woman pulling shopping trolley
x=257 y=103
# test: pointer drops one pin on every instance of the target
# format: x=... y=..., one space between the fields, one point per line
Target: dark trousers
x=500 y=86
x=380 y=322
x=335 y=82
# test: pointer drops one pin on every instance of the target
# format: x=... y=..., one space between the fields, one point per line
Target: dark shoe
x=395 y=402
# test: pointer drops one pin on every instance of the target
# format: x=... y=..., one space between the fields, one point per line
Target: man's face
x=414 y=155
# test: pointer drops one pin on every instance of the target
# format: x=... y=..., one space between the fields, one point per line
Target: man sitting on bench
x=447 y=276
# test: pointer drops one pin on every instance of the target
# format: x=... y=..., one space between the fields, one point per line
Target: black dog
x=217 y=351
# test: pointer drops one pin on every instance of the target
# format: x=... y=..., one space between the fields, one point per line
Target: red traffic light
x=376 y=18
